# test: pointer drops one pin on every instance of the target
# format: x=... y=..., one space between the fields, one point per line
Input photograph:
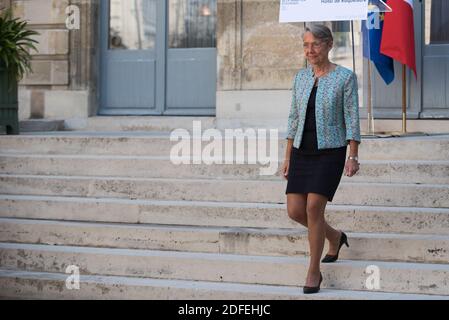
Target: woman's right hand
x=285 y=167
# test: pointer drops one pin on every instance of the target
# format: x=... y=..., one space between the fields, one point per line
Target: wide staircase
x=137 y=226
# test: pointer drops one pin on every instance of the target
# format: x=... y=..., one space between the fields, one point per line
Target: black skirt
x=312 y=170
x=316 y=173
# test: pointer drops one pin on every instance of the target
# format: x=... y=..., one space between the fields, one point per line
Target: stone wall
x=257 y=60
x=255 y=51
x=4 y=4
x=58 y=88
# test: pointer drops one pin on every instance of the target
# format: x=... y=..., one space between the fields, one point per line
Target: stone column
x=84 y=50
x=229 y=44
x=257 y=60
x=255 y=51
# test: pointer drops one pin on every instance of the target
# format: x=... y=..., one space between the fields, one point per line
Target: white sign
x=322 y=10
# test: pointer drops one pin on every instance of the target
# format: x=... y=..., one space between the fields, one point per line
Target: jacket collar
x=310 y=71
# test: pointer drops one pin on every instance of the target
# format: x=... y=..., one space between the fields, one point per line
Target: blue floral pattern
x=337 y=107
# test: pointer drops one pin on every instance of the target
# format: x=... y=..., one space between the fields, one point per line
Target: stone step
x=16 y=284
x=139 y=123
x=75 y=142
x=396 y=277
x=225 y=214
x=434 y=147
x=413 y=125
x=388 y=171
x=352 y=193
x=252 y=241
x=39 y=125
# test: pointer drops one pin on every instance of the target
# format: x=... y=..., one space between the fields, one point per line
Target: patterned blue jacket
x=336 y=108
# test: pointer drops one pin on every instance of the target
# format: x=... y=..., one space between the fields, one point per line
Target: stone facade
x=257 y=58
x=58 y=88
x=256 y=51
x=4 y=4
x=255 y=55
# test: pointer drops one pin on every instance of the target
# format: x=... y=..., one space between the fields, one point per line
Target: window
x=192 y=23
x=436 y=22
x=132 y=24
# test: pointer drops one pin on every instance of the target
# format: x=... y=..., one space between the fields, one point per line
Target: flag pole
x=353 y=46
x=404 y=100
x=370 y=115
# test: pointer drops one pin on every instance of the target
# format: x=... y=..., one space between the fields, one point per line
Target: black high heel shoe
x=330 y=258
x=309 y=290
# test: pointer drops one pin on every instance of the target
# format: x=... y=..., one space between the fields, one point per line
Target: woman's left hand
x=351 y=167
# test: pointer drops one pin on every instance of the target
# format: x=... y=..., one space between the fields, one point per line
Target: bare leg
x=316 y=204
x=297 y=211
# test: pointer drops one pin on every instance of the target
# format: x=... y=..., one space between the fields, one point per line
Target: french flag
x=398 y=37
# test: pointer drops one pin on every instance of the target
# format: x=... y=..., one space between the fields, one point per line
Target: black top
x=309 y=143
